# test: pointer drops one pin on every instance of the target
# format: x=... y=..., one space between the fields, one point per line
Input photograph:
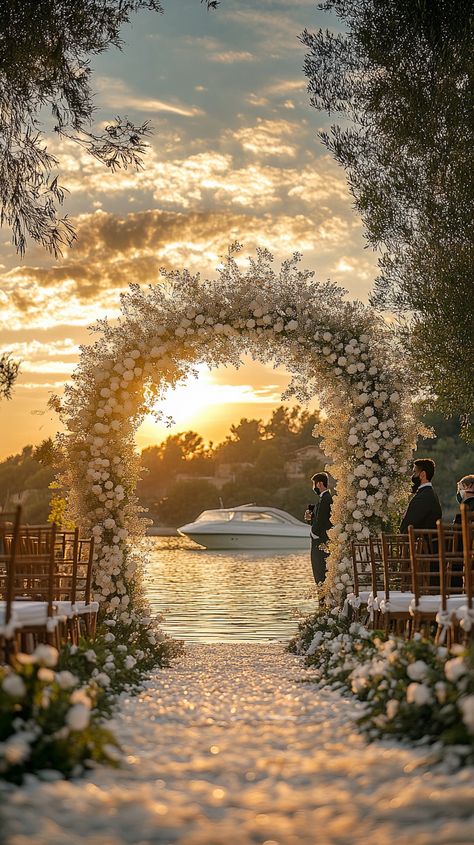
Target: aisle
x=228 y=748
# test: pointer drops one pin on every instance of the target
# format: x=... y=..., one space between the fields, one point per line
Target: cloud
x=115 y=250
x=229 y=57
x=117 y=94
x=268 y=138
x=220 y=180
x=276 y=34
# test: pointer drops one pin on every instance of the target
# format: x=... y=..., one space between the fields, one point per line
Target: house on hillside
x=296 y=467
x=223 y=474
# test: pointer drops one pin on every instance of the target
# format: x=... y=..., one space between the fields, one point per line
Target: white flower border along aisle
x=339 y=350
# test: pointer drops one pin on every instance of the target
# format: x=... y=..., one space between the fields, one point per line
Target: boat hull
x=247 y=541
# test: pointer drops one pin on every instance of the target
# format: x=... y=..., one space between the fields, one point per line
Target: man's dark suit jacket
x=423 y=510
x=321 y=521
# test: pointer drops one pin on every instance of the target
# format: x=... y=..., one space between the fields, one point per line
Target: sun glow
x=207 y=405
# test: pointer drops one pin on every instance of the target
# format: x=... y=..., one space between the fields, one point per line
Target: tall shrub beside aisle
x=338 y=350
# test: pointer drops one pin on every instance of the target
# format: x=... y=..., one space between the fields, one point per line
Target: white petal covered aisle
x=229 y=748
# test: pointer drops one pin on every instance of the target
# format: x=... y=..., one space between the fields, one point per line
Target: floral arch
x=339 y=350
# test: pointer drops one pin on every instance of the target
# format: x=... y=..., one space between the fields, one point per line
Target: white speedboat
x=247 y=527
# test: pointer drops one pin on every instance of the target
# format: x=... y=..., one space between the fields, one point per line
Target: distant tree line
x=257 y=451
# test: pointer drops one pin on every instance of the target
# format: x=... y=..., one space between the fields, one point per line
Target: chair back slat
x=396 y=560
x=376 y=562
x=361 y=565
x=450 y=554
x=9 y=534
x=426 y=570
x=467 y=526
x=35 y=564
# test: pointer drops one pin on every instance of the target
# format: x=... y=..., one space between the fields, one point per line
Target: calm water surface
x=211 y=596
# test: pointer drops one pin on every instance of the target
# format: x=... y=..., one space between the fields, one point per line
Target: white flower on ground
x=77 y=718
x=14 y=686
x=417 y=671
x=314 y=642
x=46 y=655
x=454 y=669
x=418 y=694
x=466 y=706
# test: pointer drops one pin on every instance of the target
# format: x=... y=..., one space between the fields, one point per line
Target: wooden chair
x=33 y=577
x=431 y=565
x=378 y=592
x=9 y=529
x=465 y=613
x=73 y=591
x=451 y=566
x=356 y=602
x=398 y=595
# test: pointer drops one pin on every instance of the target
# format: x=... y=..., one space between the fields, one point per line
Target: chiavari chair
x=356 y=602
x=465 y=613
x=398 y=595
x=431 y=572
x=9 y=529
x=32 y=586
x=376 y=562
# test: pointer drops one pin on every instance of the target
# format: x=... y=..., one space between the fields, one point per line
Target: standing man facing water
x=320 y=519
x=424 y=508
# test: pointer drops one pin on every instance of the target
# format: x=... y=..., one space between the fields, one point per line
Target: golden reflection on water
x=227 y=596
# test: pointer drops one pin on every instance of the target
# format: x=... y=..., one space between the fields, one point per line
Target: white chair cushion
x=431 y=604
x=81 y=607
x=28 y=613
x=398 y=602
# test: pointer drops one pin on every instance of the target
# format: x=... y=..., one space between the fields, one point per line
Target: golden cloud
x=113 y=251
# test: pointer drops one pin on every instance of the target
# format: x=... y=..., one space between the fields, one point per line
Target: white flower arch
x=339 y=350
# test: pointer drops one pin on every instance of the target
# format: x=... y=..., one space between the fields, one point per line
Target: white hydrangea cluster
x=338 y=350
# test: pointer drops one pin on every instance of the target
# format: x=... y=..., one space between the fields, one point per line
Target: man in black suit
x=424 y=508
x=320 y=519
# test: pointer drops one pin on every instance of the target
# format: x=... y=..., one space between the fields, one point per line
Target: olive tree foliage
x=45 y=75
x=8 y=373
x=45 y=82
x=400 y=78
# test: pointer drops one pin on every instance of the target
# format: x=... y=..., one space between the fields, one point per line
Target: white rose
x=16 y=750
x=418 y=694
x=417 y=670
x=454 y=669
x=46 y=655
x=392 y=708
x=66 y=680
x=77 y=718
x=13 y=685
x=466 y=705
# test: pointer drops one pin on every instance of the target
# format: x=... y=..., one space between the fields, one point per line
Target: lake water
x=212 y=596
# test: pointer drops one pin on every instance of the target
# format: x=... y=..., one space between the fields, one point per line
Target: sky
x=234 y=155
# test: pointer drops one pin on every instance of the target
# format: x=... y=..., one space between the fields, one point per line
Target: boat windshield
x=261 y=517
x=215 y=516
